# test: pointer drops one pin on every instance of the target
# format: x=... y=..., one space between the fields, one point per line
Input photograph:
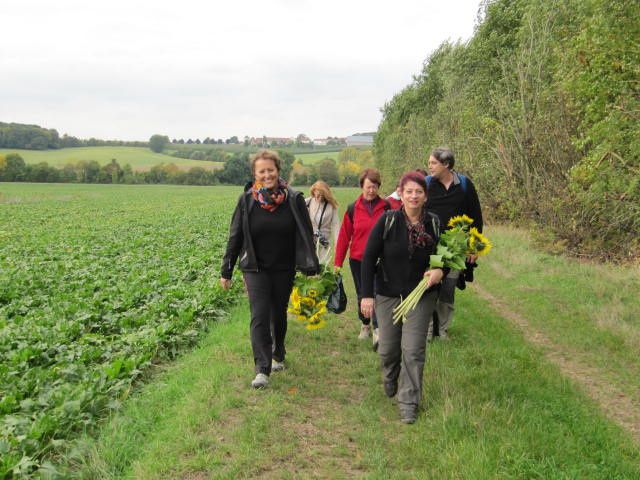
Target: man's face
x=436 y=169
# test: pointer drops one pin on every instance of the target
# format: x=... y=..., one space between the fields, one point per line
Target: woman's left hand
x=367 y=307
x=434 y=277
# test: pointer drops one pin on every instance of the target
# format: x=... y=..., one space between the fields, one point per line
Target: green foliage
x=95 y=287
x=16 y=135
x=237 y=170
x=157 y=143
x=327 y=170
x=541 y=109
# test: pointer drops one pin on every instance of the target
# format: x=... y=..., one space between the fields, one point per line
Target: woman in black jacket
x=397 y=254
x=271 y=233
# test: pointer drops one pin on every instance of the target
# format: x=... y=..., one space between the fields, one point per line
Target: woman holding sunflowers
x=271 y=233
x=397 y=255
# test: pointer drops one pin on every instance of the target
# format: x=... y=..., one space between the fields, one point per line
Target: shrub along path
x=495 y=405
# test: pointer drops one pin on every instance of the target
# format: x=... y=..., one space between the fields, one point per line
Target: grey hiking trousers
x=403 y=346
x=444 y=305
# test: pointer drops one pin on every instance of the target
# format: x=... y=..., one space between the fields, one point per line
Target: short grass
x=591 y=311
x=494 y=407
x=139 y=158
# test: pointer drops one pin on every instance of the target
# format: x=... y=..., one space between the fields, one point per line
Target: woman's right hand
x=225 y=283
x=366 y=307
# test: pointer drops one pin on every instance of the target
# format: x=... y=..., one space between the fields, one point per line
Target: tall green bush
x=541 y=108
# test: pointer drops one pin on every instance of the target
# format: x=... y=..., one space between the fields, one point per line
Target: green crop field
x=139 y=158
x=97 y=283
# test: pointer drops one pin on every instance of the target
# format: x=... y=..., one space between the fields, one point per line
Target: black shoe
x=408 y=415
x=390 y=388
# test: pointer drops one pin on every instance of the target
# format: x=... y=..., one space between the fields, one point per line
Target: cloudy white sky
x=127 y=69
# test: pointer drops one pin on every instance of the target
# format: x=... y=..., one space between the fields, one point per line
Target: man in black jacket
x=449 y=194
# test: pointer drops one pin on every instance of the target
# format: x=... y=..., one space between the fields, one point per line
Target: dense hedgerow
x=541 y=107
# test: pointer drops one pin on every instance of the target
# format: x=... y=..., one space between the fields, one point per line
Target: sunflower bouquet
x=452 y=250
x=308 y=301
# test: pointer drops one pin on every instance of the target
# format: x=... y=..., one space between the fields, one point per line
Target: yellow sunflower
x=478 y=243
x=460 y=221
x=307 y=301
x=316 y=326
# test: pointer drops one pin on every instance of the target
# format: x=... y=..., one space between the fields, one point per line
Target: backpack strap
x=350 y=208
x=435 y=223
x=389 y=220
x=463 y=182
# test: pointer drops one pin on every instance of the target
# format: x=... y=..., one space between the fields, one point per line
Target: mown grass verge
x=590 y=311
x=494 y=408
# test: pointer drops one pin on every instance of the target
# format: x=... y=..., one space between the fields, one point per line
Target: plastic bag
x=337 y=301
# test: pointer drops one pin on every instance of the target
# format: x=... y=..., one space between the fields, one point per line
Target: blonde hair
x=323 y=188
x=265 y=154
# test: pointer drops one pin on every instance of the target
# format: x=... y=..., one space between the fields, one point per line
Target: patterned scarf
x=269 y=198
x=418 y=237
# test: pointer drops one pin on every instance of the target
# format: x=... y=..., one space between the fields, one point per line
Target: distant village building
x=319 y=141
x=359 y=140
x=259 y=141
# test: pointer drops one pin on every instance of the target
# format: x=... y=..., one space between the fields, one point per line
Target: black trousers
x=268 y=298
x=356 y=269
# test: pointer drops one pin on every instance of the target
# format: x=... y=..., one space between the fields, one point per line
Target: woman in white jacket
x=323 y=210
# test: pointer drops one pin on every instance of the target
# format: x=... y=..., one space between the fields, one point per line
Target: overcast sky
x=129 y=69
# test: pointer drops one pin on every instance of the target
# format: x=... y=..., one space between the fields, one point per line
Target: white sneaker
x=260 y=381
x=277 y=366
x=365 y=331
x=375 y=337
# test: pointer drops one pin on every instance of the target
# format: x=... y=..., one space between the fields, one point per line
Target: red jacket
x=354 y=236
x=395 y=204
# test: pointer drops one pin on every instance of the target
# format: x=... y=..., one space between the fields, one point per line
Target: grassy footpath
x=591 y=312
x=495 y=407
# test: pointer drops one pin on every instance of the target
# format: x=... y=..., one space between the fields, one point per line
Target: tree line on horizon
x=236 y=171
x=542 y=109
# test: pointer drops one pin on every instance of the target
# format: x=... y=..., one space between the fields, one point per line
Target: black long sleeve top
x=455 y=201
x=396 y=271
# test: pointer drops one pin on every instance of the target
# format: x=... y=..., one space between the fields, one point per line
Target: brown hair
x=444 y=156
x=324 y=189
x=265 y=154
x=372 y=174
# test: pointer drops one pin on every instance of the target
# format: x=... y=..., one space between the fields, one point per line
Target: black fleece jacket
x=455 y=201
x=397 y=272
x=240 y=243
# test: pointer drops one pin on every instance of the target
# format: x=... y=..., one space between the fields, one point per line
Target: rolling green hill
x=312 y=158
x=139 y=158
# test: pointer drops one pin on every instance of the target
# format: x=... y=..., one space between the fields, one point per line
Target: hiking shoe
x=260 y=381
x=408 y=415
x=390 y=388
x=365 y=331
x=376 y=338
x=277 y=366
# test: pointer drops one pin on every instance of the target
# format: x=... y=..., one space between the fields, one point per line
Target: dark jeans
x=268 y=298
x=356 y=268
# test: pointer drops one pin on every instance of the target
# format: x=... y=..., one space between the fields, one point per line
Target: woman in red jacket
x=357 y=223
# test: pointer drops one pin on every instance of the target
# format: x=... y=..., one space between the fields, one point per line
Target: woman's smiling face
x=266 y=172
x=413 y=195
